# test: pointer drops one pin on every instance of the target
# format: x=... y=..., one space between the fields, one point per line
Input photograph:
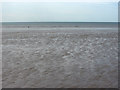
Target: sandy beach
x=60 y=59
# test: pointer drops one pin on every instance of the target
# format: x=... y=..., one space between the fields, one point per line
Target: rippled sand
x=51 y=59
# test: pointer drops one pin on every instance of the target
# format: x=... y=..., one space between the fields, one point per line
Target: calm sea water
x=58 y=25
x=82 y=24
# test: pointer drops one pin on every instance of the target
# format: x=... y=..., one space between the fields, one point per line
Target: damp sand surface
x=60 y=59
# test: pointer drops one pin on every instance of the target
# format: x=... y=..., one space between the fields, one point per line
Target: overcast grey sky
x=60 y=12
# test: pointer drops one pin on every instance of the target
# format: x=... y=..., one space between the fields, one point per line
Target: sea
x=58 y=25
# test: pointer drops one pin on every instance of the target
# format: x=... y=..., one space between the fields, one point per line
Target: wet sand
x=60 y=59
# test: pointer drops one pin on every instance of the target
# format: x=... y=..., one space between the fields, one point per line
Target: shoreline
x=59 y=29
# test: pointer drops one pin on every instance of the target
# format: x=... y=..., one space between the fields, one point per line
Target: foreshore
x=60 y=59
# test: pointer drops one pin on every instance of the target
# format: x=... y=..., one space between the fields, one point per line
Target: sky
x=59 y=11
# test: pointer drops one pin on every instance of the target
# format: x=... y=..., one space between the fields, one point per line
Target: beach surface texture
x=59 y=58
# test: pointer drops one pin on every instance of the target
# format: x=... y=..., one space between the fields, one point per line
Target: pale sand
x=52 y=59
